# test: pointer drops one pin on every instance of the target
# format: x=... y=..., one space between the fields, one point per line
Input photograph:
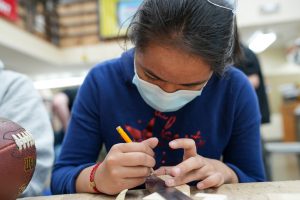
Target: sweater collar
x=127 y=61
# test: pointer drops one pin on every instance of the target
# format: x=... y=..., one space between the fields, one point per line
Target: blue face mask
x=162 y=101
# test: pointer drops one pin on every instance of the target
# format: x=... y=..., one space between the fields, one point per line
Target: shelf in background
x=26 y=53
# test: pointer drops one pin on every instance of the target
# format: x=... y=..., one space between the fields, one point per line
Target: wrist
x=231 y=176
x=92 y=178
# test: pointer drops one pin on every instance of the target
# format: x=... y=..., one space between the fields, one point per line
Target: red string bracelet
x=92 y=178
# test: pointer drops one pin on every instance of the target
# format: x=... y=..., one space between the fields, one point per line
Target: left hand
x=210 y=172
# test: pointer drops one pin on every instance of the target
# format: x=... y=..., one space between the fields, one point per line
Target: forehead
x=173 y=64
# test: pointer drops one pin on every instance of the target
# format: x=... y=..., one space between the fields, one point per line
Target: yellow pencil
x=123 y=134
x=127 y=139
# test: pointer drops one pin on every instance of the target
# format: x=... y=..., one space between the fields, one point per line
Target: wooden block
x=154 y=196
x=77 y=41
x=185 y=189
x=91 y=18
x=205 y=196
x=75 y=8
x=21 y=11
x=122 y=195
x=65 y=31
x=40 y=8
x=289 y=120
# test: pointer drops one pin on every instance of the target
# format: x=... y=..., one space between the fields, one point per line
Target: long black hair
x=194 y=26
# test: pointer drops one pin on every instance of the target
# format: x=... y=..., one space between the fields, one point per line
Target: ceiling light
x=58 y=83
x=260 y=41
x=270 y=8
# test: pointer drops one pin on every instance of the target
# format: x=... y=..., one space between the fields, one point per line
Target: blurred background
x=56 y=42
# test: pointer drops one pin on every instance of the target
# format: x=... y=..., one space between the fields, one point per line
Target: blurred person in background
x=21 y=103
x=250 y=65
x=62 y=104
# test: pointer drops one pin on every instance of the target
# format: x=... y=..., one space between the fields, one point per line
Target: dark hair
x=195 y=26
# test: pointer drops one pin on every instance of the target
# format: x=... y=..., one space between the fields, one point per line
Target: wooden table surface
x=246 y=191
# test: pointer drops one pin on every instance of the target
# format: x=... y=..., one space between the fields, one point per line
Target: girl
x=192 y=115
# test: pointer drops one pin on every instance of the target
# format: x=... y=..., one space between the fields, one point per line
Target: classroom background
x=56 y=43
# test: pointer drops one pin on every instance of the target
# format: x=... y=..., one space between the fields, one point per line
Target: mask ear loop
x=134 y=65
x=207 y=81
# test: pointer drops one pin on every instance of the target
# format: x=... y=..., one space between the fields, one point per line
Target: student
x=21 y=103
x=62 y=106
x=192 y=115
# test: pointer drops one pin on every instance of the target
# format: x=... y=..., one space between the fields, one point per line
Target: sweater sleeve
x=83 y=141
x=22 y=104
x=243 y=153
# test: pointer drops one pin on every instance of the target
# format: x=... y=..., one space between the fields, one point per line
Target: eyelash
x=153 y=78
x=150 y=77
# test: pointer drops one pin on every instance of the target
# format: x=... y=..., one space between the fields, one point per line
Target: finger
x=194 y=175
x=151 y=142
x=162 y=171
x=188 y=165
x=206 y=171
x=132 y=159
x=133 y=147
x=191 y=176
x=214 y=180
x=188 y=145
x=172 y=171
x=180 y=171
x=133 y=172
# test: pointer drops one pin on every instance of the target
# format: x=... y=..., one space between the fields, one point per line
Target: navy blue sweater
x=224 y=122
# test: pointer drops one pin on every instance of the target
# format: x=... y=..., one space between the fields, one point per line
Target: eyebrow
x=185 y=84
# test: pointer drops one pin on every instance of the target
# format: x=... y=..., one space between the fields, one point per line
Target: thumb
x=151 y=142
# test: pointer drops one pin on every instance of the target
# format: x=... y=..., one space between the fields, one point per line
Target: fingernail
x=172 y=144
x=170 y=182
x=200 y=186
x=176 y=171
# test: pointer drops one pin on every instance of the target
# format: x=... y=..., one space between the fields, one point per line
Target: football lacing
x=24 y=140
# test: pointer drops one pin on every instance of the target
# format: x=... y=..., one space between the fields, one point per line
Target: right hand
x=126 y=166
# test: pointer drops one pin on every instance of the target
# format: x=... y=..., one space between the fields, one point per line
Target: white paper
x=154 y=196
x=206 y=196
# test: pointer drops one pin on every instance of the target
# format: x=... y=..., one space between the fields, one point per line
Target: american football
x=17 y=159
